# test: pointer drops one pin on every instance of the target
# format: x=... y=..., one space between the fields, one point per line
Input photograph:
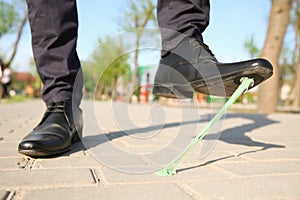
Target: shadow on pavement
x=236 y=135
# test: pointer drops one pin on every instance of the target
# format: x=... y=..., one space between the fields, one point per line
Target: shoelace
x=55 y=108
x=196 y=44
x=52 y=108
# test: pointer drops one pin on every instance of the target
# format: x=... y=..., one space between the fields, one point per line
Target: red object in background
x=144 y=92
x=199 y=97
x=23 y=77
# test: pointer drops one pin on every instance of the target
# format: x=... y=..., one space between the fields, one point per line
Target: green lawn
x=15 y=99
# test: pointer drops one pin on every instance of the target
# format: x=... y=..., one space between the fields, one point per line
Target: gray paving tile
x=45 y=178
x=274 y=154
x=6 y=194
x=64 y=193
x=261 y=168
x=196 y=157
x=13 y=163
x=9 y=152
x=270 y=187
x=240 y=166
x=132 y=192
x=67 y=162
x=123 y=175
x=224 y=146
x=6 y=145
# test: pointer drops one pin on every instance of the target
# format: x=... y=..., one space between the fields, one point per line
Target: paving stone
x=276 y=137
x=196 y=158
x=292 y=145
x=269 y=187
x=46 y=177
x=255 y=157
x=11 y=145
x=284 y=120
x=13 y=163
x=123 y=175
x=9 y=152
x=78 y=149
x=14 y=138
x=261 y=168
x=64 y=193
x=132 y=192
x=6 y=194
x=111 y=155
x=224 y=146
x=67 y=162
x=282 y=154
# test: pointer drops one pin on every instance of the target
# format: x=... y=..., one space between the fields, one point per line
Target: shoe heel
x=175 y=92
x=76 y=138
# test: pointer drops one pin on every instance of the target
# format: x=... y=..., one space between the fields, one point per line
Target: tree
x=8 y=17
x=268 y=92
x=138 y=15
x=251 y=47
x=108 y=63
x=10 y=22
x=295 y=92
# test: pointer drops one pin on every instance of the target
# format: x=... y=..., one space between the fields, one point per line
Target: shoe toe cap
x=27 y=145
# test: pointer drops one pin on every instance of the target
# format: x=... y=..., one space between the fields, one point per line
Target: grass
x=15 y=99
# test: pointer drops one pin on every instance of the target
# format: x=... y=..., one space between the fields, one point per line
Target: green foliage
x=287 y=64
x=251 y=47
x=16 y=99
x=8 y=18
x=107 y=64
x=295 y=12
x=289 y=53
x=138 y=14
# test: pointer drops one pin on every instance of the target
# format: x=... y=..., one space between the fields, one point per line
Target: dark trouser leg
x=188 y=66
x=5 y=90
x=54 y=25
x=190 y=17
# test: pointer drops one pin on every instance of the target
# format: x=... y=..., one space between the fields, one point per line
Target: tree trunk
x=296 y=88
x=99 y=89
x=135 y=76
x=268 y=92
x=139 y=24
x=296 y=85
x=20 y=31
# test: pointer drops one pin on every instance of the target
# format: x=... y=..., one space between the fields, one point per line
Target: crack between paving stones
x=186 y=190
x=9 y=195
x=26 y=163
x=95 y=177
x=223 y=171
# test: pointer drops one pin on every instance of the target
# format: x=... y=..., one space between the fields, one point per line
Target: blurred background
x=238 y=30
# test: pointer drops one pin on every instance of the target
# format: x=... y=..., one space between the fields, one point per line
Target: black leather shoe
x=192 y=67
x=56 y=132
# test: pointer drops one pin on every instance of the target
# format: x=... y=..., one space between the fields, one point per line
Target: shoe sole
x=46 y=153
x=173 y=91
x=214 y=85
x=39 y=153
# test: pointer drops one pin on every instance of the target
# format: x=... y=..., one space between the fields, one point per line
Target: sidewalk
x=255 y=157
